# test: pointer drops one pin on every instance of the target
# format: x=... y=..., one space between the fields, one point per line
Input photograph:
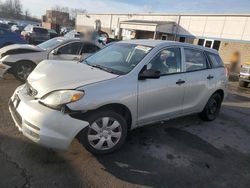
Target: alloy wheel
x=23 y=71
x=104 y=133
x=213 y=105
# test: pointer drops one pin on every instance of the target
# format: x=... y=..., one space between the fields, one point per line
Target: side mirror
x=55 y=52
x=149 y=74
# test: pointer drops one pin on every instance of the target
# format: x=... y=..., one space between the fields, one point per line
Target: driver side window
x=167 y=61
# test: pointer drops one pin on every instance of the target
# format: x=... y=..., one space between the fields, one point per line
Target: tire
x=103 y=140
x=243 y=83
x=212 y=108
x=23 y=69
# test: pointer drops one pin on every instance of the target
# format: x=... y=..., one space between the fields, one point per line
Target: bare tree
x=26 y=14
x=73 y=12
x=17 y=6
x=14 y=9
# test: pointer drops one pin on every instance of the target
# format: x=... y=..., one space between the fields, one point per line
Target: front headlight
x=57 y=98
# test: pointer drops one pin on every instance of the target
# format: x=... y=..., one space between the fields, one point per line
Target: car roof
x=162 y=43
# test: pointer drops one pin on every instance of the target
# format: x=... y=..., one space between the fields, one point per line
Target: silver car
x=244 y=77
x=123 y=86
x=21 y=59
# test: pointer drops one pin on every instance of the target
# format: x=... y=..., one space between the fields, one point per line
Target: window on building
x=216 y=45
x=208 y=43
x=201 y=42
x=182 y=39
x=168 y=61
x=195 y=60
x=164 y=37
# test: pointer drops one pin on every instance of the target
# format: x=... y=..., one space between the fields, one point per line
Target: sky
x=38 y=7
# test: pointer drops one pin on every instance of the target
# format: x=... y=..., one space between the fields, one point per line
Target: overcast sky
x=38 y=7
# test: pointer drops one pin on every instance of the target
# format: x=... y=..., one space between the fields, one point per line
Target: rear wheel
x=23 y=69
x=105 y=134
x=243 y=83
x=212 y=108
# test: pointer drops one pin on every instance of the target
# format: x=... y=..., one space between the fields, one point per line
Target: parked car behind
x=7 y=37
x=35 y=34
x=74 y=34
x=17 y=28
x=244 y=78
x=20 y=60
x=123 y=86
x=4 y=26
x=52 y=33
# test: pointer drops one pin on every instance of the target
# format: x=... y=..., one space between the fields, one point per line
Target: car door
x=88 y=49
x=162 y=98
x=199 y=80
x=69 y=51
x=3 y=37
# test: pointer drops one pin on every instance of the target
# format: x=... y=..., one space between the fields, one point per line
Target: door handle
x=179 y=82
x=210 y=77
x=75 y=58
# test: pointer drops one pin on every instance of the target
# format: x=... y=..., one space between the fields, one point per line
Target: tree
x=27 y=14
x=17 y=6
x=13 y=9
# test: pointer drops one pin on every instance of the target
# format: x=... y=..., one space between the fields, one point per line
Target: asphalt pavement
x=181 y=153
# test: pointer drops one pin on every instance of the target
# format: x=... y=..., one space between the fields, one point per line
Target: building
x=55 y=19
x=226 y=33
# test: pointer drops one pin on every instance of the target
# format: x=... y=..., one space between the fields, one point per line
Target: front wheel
x=212 y=108
x=22 y=70
x=105 y=134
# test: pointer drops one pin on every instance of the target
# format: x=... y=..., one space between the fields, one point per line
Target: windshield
x=118 y=58
x=50 y=44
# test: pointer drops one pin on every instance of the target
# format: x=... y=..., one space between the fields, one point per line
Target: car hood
x=51 y=75
x=19 y=49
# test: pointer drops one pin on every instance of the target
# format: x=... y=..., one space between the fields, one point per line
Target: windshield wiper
x=101 y=67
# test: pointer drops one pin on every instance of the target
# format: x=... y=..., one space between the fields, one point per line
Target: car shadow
x=174 y=157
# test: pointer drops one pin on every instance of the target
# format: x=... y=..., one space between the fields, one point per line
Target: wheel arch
x=220 y=92
x=26 y=60
x=116 y=107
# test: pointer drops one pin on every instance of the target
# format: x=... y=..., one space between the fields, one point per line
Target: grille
x=30 y=90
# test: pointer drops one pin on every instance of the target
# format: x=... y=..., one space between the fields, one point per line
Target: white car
x=123 y=86
x=21 y=59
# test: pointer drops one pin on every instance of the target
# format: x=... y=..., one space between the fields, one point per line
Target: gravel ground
x=184 y=152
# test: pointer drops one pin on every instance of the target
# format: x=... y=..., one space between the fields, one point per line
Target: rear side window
x=40 y=30
x=215 y=60
x=71 y=48
x=89 y=48
x=195 y=60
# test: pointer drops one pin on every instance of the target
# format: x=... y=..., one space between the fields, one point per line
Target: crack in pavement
x=23 y=170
